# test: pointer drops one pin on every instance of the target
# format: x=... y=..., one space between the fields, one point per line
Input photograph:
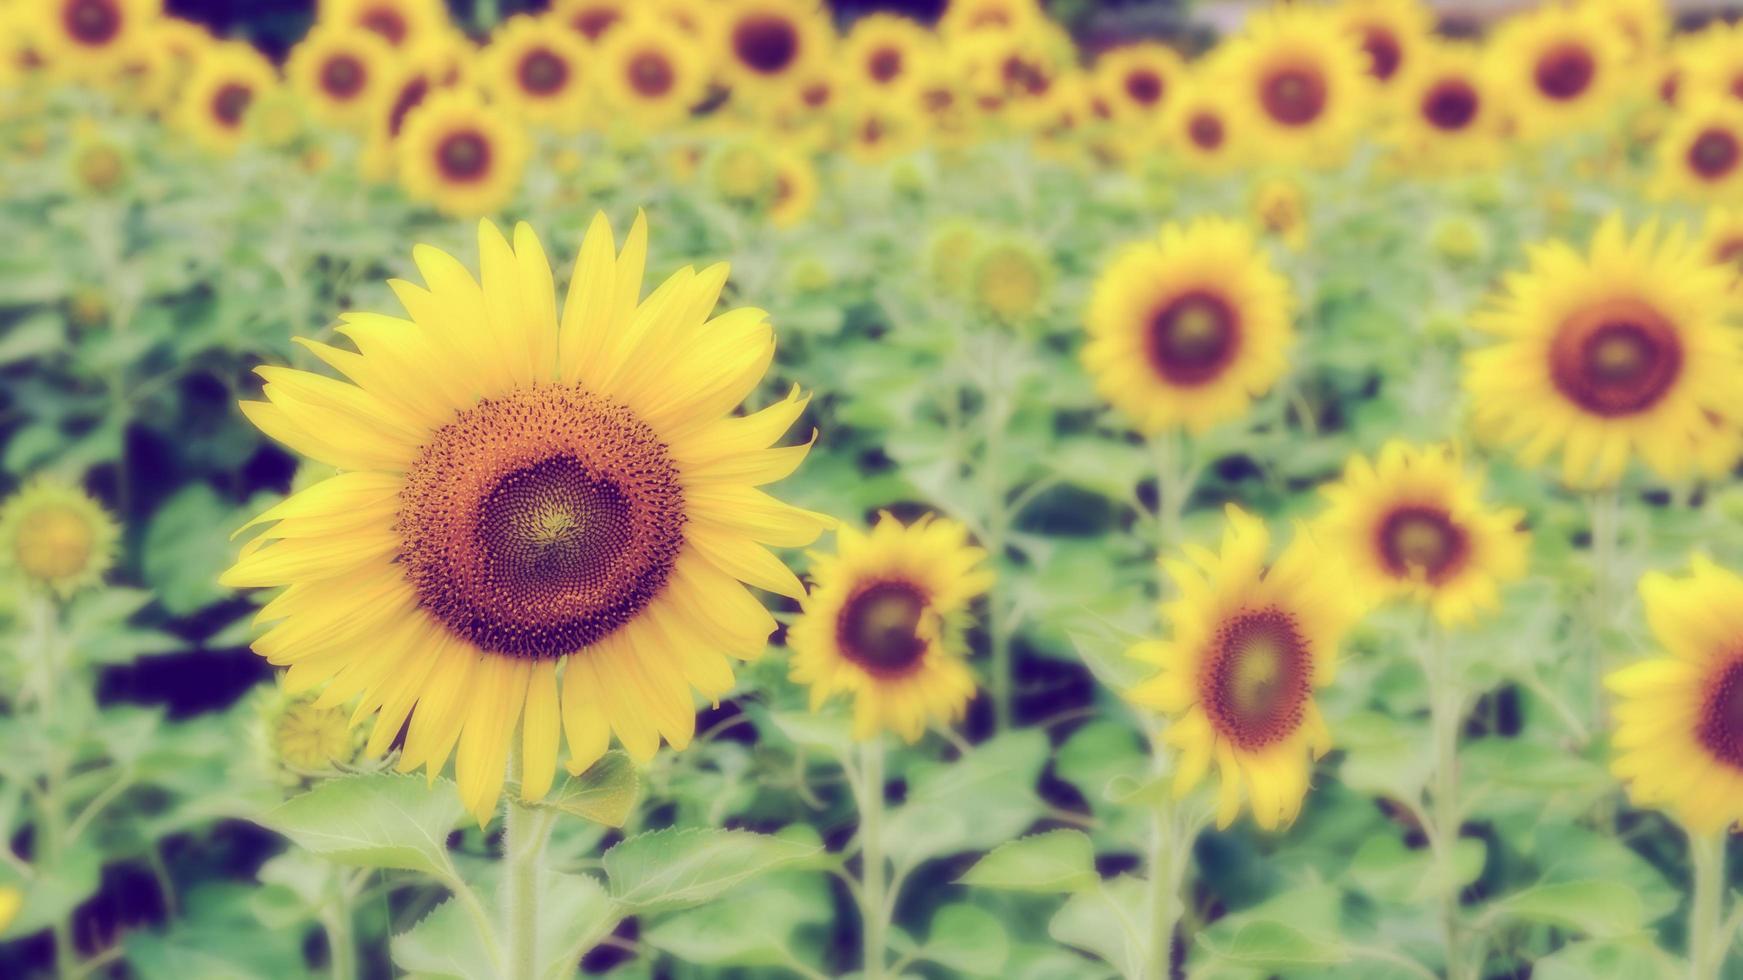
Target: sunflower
x=1643 y=25
x=1008 y=280
x=591 y=20
x=427 y=68
x=795 y=190
x=1721 y=244
x=458 y=155
x=1188 y=329
x=1250 y=640
x=963 y=17
x=1412 y=523
x=1279 y=206
x=403 y=24
x=1199 y=127
x=1700 y=154
x=1134 y=81
x=884 y=621
x=341 y=72
x=1011 y=75
x=215 y=101
x=884 y=56
x=1390 y=32
x=942 y=106
x=1558 y=68
x=1299 y=84
x=1679 y=716
x=652 y=71
x=56 y=537
x=528 y=503
x=535 y=69
x=90 y=37
x=1712 y=63
x=763 y=46
x=1626 y=350
x=1449 y=117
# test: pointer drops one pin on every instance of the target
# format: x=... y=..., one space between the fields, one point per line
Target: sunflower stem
x=1604 y=507
x=1707 y=940
x=995 y=413
x=1444 y=701
x=524 y=835
x=873 y=910
x=1164 y=860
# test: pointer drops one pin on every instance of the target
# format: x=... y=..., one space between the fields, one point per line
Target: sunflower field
x=758 y=488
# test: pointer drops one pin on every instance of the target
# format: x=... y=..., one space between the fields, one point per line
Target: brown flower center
x=230 y=103
x=463 y=156
x=650 y=73
x=1450 y=105
x=1714 y=153
x=343 y=76
x=884 y=65
x=1385 y=54
x=1025 y=77
x=1254 y=682
x=1205 y=130
x=1720 y=727
x=1144 y=86
x=765 y=43
x=815 y=95
x=387 y=22
x=594 y=22
x=1616 y=358
x=92 y=23
x=537 y=524
x=543 y=72
x=1193 y=338
x=1565 y=71
x=879 y=627
x=1421 y=541
x=1293 y=96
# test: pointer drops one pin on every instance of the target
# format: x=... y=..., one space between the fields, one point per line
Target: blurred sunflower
x=884 y=56
x=1620 y=352
x=963 y=17
x=1449 y=117
x=56 y=537
x=652 y=71
x=343 y=73
x=765 y=46
x=1700 y=154
x=536 y=70
x=1390 y=32
x=1299 y=84
x=1679 y=716
x=1280 y=207
x=402 y=24
x=1412 y=523
x=1642 y=25
x=424 y=69
x=87 y=38
x=1188 y=329
x=878 y=132
x=591 y=20
x=1009 y=280
x=1250 y=640
x=884 y=622
x=1200 y=128
x=1557 y=68
x=215 y=102
x=529 y=501
x=458 y=155
x=1721 y=244
x=1136 y=80
x=1713 y=65
x=795 y=190
x=99 y=165
x=942 y=107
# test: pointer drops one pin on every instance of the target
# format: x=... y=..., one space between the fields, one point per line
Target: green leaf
x=674 y=869
x=1594 y=907
x=445 y=944
x=1100 y=922
x=1056 y=861
x=967 y=940
x=605 y=794
x=984 y=798
x=1271 y=944
x=1636 y=959
x=575 y=913
x=755 y=928
x=375 y=821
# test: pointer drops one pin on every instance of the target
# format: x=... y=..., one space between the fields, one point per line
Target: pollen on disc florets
x=538 y=523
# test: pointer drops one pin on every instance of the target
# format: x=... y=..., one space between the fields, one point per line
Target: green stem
x=873 y=911
x=524 y=835
x=1164 y=860
x=341 y=946
x=1706 y=931
x=1605 y=506
x=995 y=414
x=1444 y=701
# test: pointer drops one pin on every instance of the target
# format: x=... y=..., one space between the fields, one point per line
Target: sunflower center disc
x=386 y=22
x=1714 y=154
x=463 y=156
x=92 y=22
x=230 y=102
x=342 y=76
x=537 y=524
x=1254 y=683
x=1384 y=53
x=650 y=74
x=879 y=627
x=592 y=23
x=1294 y=96
x=1565 y=72
x=1145 y=87
x=766 y=44
x=1450 y=105
x=1721 y=721
x=1193 y=338
x=1617 y=358
x=1206 y=131
x=1420 y=540
x=542 y=72
x=884 y=64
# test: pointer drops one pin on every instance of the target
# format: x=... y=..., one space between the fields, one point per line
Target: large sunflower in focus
x=1412 y=523
x=1700 y=154
x=342 y=73
x=1187 y=330
x=652 y=71
x=535 y=68
x=215 y=100
x=1679 y=717
x=86 y=37
x=540 y=522
x=1559 y=68
x=763 y=46
x=1449 y=116
x=458 y=155
x=1250 y=640
x=884 y=621
x=1299 y=83
x=1623 y=351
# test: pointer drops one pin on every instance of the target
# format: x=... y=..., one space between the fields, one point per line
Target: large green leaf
x=374 y=821
x=985 y=797
x=1056 y=861
x=1107 y=922
x=1594 y=907
x=754 y=928
x=967 y=940
x=606 y=793
x=673 y=869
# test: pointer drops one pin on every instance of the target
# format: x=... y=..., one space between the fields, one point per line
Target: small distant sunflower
x=962 y=17
x=1643 y=25
x=1136 y=80
x=878 y=132
x=1299 y=83
x=1412 y=523
x=1200 y=128
x=1188 y=329
x=1722 y=244
x=1559 y=69
x=458 y=155
x=1679 y=716
x=1623 y=351
x=297 y=739
x=341 y=72
x=591 y=20
x=884 y=622
x=85 y=37
x=99 y=165
x=403 y=24
x=1280 y=207
x=742 y=171
x=1700 y=154
x=1391 y=33
x=795 y=190
x=943 y=108
x=1009 y=280
x=652 y=71
x=216 y=99
x=1449 y=115
x=1250 y=640
x=56 y=537
x=884 y=56
x=765 y=45
x=1712 y=65
x=542 y=519
x=535 y=69
x=1012 y=75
